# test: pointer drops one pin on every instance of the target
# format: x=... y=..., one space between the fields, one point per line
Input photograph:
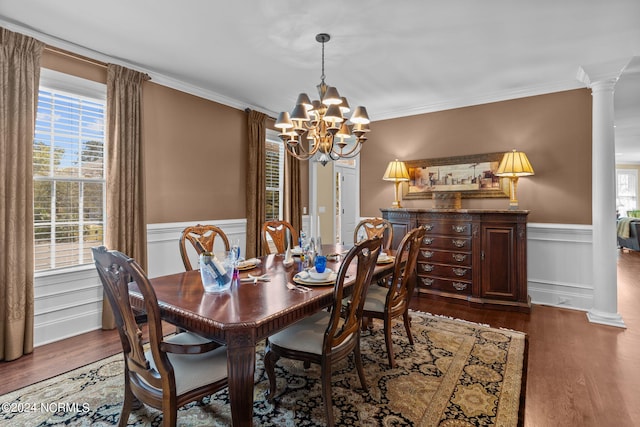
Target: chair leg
x=407 y=326
x=388 y=341
x=128 y=401
x=326 y=391
x=359 y=367
x=270 y=359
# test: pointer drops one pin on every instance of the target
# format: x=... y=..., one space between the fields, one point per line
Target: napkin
x=304 y=274
x=249 y=262
x=288 y=258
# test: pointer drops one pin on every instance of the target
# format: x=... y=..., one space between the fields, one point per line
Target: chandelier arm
x=351 y=153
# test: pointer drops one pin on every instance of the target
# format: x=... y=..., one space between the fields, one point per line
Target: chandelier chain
x=322 y=76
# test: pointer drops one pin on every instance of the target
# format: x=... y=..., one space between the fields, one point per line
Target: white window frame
x=75 y=87
x=272 y=137
x=633 y=180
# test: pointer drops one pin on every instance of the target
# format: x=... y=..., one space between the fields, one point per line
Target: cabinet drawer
x=444 y=242
x=446 y=257
x=444 y=270
x=447 y=228
x=453 y=286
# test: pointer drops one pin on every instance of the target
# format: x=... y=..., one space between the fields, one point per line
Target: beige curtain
x=19 y=80
x=292 y=191
x=256 y=208
x=126 y=219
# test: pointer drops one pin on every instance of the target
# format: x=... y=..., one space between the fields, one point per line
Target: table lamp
x=514 y=164
x=397 y=172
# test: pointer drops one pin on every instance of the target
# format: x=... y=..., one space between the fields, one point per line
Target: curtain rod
x=247 y=110
x=76 y=56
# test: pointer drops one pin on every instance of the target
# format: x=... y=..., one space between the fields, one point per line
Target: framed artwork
x=472 y=176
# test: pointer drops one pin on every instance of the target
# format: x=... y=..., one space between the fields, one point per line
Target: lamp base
x=396 y=204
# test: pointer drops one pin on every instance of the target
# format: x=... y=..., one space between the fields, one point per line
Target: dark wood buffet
x=474 y=256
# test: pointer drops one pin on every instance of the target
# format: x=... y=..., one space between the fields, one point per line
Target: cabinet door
x=498 y=256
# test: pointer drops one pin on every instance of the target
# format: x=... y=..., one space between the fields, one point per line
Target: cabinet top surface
x=461 y=211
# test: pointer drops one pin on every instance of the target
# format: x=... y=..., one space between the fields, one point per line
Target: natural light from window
x=69 y=178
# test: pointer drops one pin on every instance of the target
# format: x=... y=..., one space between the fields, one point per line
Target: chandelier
x=320 y=126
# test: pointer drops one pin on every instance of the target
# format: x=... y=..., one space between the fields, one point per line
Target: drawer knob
x=427 y=267
x=459 y=228
x=427 y=240
x=460 y=286
x=459 y=257
x=427 y=254
x=458 y=243
x=459 y=271
x=426 y=281
x=428 y=227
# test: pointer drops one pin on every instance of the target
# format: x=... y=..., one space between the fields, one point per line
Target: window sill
x=64 y=270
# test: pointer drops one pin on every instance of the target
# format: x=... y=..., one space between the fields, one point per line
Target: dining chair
x=173 y=371
x=374 y=227
x=206 y=235
x=329 y=336
x=277 y=232
x=389 y=302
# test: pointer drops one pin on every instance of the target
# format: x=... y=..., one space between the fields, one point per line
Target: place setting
x=318 y=275
x=384 y=258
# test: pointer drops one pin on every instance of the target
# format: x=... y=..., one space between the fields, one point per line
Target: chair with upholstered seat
x=371 y=227
x=329 y=336
x=391 y=301
x=206 y=236
x=279 y=234
x=173 y=371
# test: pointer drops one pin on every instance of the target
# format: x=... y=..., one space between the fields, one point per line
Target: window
x=274 y=176
x=68 y=169
x=626 y=190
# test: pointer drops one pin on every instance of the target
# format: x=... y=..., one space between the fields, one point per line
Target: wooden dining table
x=245 y=314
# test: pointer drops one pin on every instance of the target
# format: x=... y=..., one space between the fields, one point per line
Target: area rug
x=457 y=374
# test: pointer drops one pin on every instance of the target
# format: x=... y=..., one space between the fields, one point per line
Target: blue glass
x=321 y=263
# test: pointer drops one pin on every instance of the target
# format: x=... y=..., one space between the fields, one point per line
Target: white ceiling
x=397 y=58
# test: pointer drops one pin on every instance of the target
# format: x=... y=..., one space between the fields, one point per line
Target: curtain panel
x=19 y=82
x=256 y=184
x=126 y=216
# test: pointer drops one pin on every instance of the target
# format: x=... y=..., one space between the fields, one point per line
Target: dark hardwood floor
x=579 y=373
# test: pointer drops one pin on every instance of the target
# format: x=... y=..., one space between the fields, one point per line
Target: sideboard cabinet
x=469 y=255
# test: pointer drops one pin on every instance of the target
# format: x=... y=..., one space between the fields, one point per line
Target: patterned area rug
x=457 y=374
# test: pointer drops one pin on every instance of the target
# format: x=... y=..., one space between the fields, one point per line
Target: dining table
x=261 y=301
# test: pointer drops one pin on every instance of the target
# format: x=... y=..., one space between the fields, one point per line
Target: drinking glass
x=321 y=263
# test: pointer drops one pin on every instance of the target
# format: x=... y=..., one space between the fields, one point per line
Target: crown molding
x=156 y=77
x=479 y=100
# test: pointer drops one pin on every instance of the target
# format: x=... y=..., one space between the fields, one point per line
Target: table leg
x=241 y=364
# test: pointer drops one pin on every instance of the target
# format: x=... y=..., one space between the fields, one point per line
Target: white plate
x=249 y=264
x=307 y=280
x=386 y=260
x=320 y=276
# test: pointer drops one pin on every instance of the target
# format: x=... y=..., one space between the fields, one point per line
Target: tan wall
x=553 y=130
x=195 y=151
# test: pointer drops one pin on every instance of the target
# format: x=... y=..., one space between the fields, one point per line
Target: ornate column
x=602 y=79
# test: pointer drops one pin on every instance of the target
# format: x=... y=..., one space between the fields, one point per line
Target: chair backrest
x=116 y=271
x=205 y=235
x=277 y=231
x=374 y=227
x=346 y=321
x=402 y=285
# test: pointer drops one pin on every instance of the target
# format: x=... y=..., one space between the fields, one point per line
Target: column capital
x=601 y=74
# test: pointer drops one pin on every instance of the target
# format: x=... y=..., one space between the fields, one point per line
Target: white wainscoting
x=66 y=303
x=69 y=302
x=163 y=253
x=559 y=265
